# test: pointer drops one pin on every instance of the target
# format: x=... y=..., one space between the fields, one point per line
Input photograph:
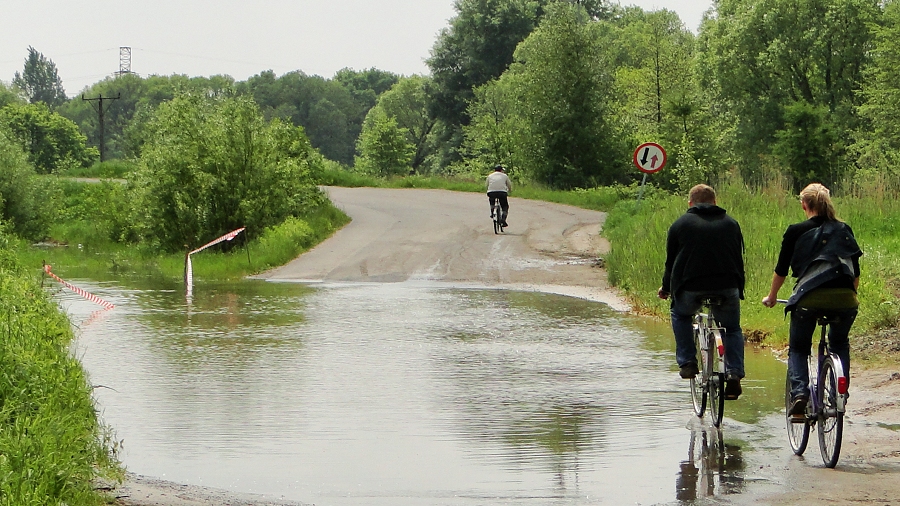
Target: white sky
x=239 y=38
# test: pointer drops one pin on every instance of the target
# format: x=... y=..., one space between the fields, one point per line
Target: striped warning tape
x=87 y=295
x=227 y=237
x=189 y=268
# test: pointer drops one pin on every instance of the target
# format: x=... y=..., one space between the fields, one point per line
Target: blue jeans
x=803 y=325
x=728 y=315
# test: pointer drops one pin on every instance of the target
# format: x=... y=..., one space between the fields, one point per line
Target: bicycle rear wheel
x=830 y=421
x=717 y=397
x=698 y=382
x=798 y=432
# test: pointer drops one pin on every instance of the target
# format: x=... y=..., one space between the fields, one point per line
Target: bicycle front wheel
x=698 y=382
x=798 y=432
x=830 y=420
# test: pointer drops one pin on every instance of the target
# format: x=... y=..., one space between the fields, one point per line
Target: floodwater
x=408 y=394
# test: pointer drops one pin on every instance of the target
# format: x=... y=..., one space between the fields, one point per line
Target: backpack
x=820 y=255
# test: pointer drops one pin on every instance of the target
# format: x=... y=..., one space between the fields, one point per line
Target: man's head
x=498 y=168
x=701 y=194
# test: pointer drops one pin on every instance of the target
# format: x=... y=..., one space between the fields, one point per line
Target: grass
x=93 y=255
x=52 y=445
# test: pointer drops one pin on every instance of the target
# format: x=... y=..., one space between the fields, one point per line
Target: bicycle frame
x=827 y=394
x=711 y=382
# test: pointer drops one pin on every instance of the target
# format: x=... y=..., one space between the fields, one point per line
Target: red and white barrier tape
x=227 y=237
x=189 y=269
x=87 y=295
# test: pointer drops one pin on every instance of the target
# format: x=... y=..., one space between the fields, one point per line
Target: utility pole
x=99 y=108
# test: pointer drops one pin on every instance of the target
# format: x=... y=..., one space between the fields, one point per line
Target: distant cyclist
x=498 y=187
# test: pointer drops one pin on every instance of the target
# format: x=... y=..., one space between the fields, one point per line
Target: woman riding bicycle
x=823 y=254
x=498 y=187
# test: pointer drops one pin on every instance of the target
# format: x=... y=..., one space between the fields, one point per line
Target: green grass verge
x=52 y=444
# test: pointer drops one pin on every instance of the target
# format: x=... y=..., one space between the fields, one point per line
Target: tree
x=878 y=139
x=327 y=111
x=561 y=82
x=52 y=142
x=477 y=47
x=763 y=57
x=25 y=203
x=383 y=148
x=407 y=103
x=40 y=81
x=214 y=164
x=8 y=95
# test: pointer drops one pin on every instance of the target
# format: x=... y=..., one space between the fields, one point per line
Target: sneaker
x=798 y=407
x=504 y=224
x=732 y=388
x=688 y=371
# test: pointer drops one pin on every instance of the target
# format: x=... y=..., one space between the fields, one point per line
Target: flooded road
x=409 y=394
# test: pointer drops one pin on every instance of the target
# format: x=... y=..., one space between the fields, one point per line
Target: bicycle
x=711 y=357
x=497 y=216
x=827 y=401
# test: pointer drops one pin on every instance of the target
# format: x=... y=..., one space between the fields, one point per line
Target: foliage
x=9 y=95
x=213 y=164
x=52 y=142
x=762 y=57
x=407 y=103
x=132 y=100
x=366 y=85
x=476 y=48
x=330 y=115
x=383 y=146
x=40 y=81
x=805 y=145
x=878 y=139
x=52 y=445
x=113 y=169
x=560 y=130
x=27 y=203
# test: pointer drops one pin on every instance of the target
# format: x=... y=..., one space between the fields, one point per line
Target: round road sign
x=649 y=157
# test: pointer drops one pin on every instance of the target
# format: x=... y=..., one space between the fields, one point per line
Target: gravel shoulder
x=438 y=236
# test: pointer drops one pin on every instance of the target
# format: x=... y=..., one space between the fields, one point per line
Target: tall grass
x=638 y=234
x=52 y=445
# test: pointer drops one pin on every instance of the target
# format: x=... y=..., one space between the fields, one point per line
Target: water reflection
x=713 y=467
x=393 y=394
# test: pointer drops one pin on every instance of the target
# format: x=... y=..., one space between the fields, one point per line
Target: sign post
x=649 y=158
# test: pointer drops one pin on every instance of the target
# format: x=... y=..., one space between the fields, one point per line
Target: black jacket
x=824 y=256
x=704 y=251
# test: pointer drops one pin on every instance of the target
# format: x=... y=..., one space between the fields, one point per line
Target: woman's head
x=817 y=199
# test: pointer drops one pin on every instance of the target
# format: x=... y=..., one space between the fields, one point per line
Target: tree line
x=559 y=91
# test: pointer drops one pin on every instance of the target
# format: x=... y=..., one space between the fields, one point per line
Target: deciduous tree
x=40 y=80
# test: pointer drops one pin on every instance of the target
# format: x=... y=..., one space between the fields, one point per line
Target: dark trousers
x=728 y=314
x=803 y=326
x=504 y=204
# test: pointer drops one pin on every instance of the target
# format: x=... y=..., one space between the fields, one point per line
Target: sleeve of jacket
x=671 y=253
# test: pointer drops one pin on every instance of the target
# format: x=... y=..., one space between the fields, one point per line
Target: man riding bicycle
x=705 y=256
x=498 y=187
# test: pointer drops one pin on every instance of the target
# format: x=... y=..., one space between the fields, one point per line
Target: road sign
x=649 y=157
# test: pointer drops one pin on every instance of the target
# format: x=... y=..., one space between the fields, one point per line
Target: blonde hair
x=818 y=200
x=702 y=194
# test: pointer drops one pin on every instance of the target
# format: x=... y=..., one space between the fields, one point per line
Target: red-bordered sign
x=649 y=157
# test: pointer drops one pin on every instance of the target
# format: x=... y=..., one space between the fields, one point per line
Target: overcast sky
x=239 y=38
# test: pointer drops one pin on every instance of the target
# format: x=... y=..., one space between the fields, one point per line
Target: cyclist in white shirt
x=498 y=187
